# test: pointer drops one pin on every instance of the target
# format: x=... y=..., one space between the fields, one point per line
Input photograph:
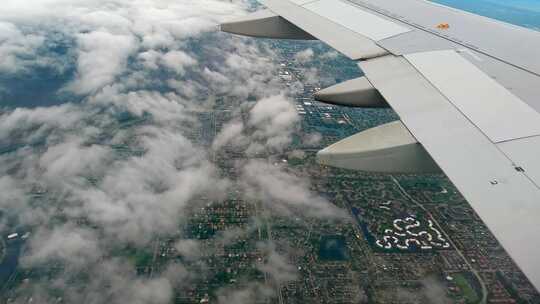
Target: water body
x=371 y=239
x=39 y=85
x=524 y=13
x=363 y=226
x=333 y=248
x=8 y=266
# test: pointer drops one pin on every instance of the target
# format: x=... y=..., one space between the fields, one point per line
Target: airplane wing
x=466 y=89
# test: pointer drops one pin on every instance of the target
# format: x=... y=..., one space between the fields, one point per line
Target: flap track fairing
x=389 y=148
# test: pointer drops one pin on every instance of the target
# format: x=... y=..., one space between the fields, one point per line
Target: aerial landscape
x=147 y=157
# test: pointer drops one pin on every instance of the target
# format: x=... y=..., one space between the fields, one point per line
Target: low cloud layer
x=119 y=160
x=269 y=127
x=284 y=192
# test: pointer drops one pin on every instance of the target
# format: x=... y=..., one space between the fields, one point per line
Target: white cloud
x=16 y=48
x=14 y=199
x=280 y=269
x=312 y=139
x=188 y=249
x=166 y=107
x=145 y=196
x=231 y=132
x=124 y=159
x=275 y=120
x=330 y=55
x=252 y=293
x=102 y=57
x=285 y=193
x=435 y=291
x=106 y=33
x=178 y=61
x=39 y=121
x=269 y=127
x=304 y=56
x=70 y=159
x=69 y=244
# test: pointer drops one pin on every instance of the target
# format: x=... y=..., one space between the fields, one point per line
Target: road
x=473 y=270
x=264 y=217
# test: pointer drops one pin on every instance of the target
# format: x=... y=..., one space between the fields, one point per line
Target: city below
x=402 y=239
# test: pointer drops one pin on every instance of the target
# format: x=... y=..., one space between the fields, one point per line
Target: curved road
x=473 y=270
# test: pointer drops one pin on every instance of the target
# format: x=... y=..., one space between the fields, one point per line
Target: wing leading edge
x=482 y=130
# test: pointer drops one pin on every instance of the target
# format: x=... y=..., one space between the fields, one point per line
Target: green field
x=468 y=292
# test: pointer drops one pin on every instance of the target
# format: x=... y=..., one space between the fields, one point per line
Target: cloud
x=311 y=76
x=274 y=115
x=304 y=56
x=331 y=55
x=108 y=281
x=145 y=196
x=178 y=61
x=312 y=139
x=34 y=123
x=123 y=162
x=298 y=154
x=14 y=198
x=434 y=291
x=168 y=107
x=101 y=57
x=283 y=192
x=431 y=291
x=251 y=293
x=71 y=159
x=16 y=47
x=277 y=265
x=269 y=127
x=274 y=120
x=189 y=249
x=231 y=132
x=106 y=36
x=77 y=247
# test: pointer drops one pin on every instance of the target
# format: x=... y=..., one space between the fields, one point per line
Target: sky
x=98 y=103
